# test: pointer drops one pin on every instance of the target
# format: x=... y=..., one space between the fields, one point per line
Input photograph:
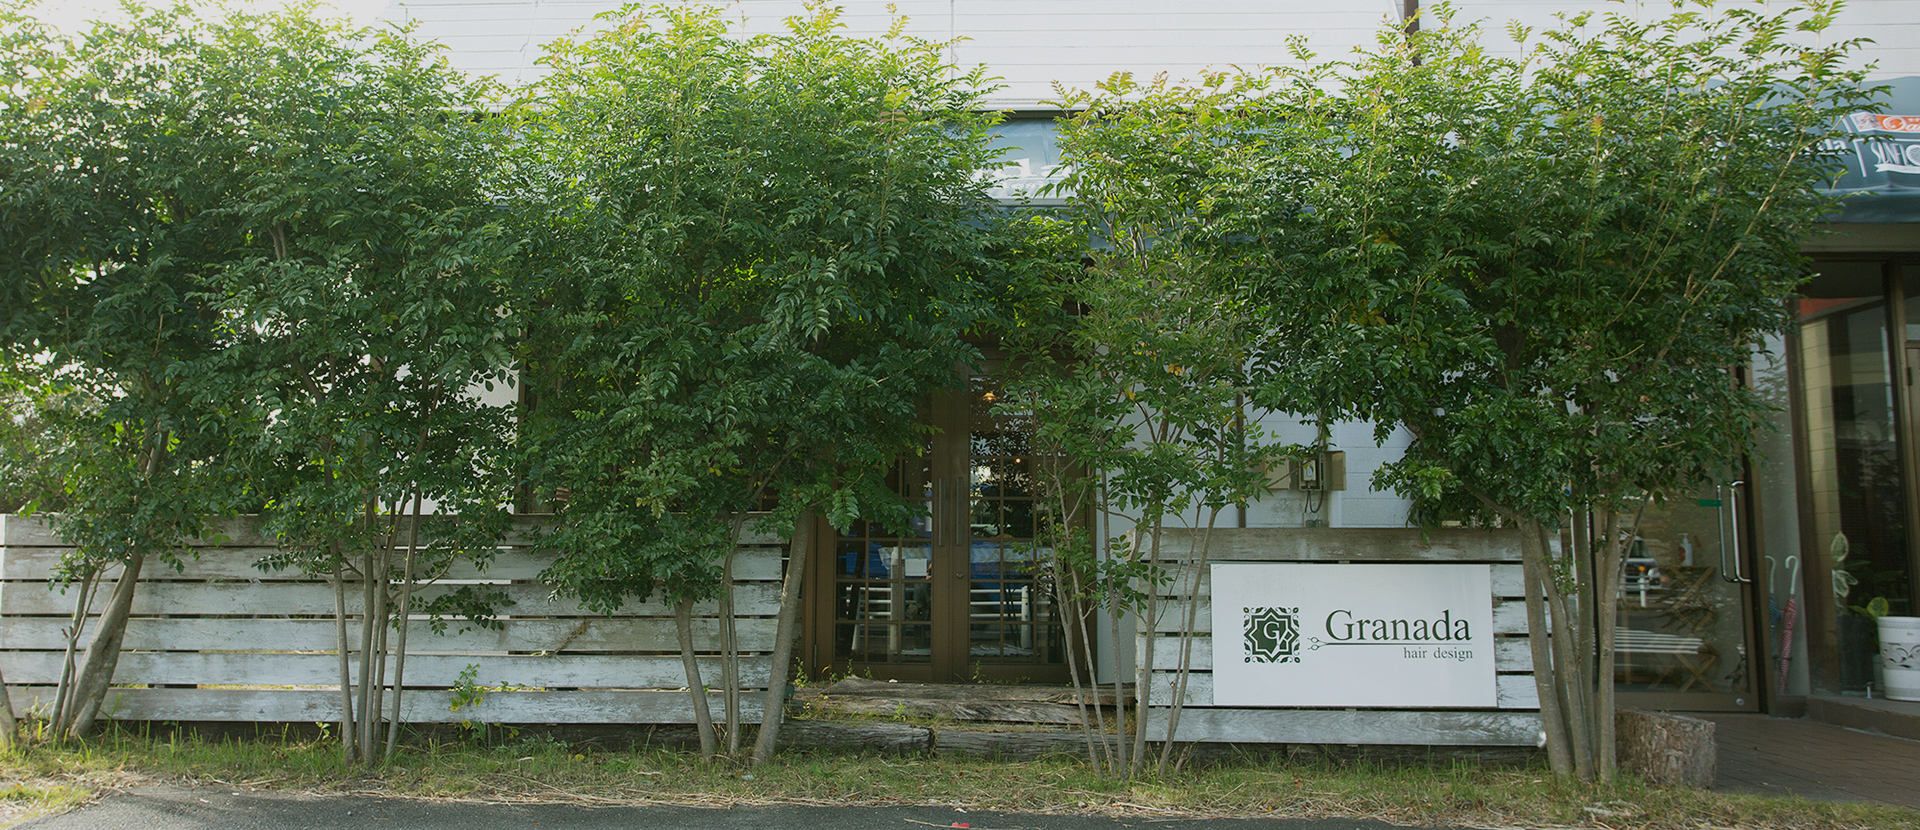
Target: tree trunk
x=1121 y=763
x=9 y=728
x=400 y=652
x=730 y=645
x=702 y=717
x=1552 y=720
x=1143 y=673
x=786 y=633
x=346 y=659
x=63 y=691
x=368 y=587
x=1569 y=663
x=1186 y=640
x=1607 y=586
x=103 y=654
x=374 y=716
x=1070 y=615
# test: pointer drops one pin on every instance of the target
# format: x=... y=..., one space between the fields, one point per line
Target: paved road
x=172 y=808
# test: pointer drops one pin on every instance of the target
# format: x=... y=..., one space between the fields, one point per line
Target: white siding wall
x=1892 y=25
x=1034 y=43
x=1029 y=43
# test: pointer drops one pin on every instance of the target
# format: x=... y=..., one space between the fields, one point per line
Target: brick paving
x=1815 y=760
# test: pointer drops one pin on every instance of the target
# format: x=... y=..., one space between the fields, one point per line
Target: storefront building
x=1747 y=596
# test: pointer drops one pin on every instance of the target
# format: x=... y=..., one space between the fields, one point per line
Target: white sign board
x=1386 y=636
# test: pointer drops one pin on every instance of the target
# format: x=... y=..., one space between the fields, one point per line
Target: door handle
x=957 y=495
x=1732 y=526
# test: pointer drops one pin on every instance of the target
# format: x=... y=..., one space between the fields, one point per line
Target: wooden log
x=864 y=687
x=861 y=736
x=1666 y=749
x=431 y=706
x=566 y=635
x=1331 y=726
x=982 y=711
x=1008 y=745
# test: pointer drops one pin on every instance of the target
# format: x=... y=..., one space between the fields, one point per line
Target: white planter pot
x=1900 y=656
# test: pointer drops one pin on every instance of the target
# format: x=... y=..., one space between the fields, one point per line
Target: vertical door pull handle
x=1732 y=525
x=935 y=507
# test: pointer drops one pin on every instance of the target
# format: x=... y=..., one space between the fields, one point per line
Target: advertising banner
x=1332 y=635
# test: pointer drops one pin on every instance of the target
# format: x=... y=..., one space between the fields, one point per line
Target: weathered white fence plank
x=1319 y=726
x=1512 y=691
x=526 y=636
x=286 y=668
x=315 y=599
x=435 y=706
x=1508 y=582
x=267 y=640
x=1344 y=544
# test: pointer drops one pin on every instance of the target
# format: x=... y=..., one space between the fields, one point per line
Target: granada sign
x=1328 y=635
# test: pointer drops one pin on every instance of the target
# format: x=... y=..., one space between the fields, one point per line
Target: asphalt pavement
x=175 y=808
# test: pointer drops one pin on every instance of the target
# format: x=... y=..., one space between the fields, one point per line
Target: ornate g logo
x=1272 y=635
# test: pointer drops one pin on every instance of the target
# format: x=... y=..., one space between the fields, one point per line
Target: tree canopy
x=1547 y=269
x=757 y=256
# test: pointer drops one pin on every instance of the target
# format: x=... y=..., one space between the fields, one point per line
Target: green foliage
x=1874 y=609
x=110 y=231
x=1547 y=270
x=29 y=481
x=754 y=258
x=365 y=304
x=1557 y=260
x=1129 y=362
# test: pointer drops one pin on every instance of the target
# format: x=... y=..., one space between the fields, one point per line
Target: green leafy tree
x=110 y=229
x=1547 y=270
x=757 y=256
x=367 y=312
x=1135 y=365
x=257 y=269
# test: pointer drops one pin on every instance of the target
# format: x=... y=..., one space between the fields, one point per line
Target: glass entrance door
x=1682 y=635
x=962 y=593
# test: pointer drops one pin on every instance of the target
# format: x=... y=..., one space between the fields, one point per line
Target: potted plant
x=1899 y=655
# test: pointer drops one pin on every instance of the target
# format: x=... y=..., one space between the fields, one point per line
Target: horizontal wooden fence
x=223 y=640
x=1514 y=722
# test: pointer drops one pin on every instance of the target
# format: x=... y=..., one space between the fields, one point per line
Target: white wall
x=1030 y=43
x=1893 y=25
x=1034 y=43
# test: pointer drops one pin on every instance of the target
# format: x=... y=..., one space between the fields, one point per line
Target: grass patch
x=24 y=799
x=548 y=771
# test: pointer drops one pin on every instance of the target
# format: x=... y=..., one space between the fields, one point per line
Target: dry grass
x=51 y=778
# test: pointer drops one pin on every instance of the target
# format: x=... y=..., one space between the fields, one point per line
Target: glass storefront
x=1855 y=424
x=1682 y=609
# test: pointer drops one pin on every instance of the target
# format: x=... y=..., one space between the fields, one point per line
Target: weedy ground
x=38 y=778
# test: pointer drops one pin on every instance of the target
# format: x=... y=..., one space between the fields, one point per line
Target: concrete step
x=1898 y=718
